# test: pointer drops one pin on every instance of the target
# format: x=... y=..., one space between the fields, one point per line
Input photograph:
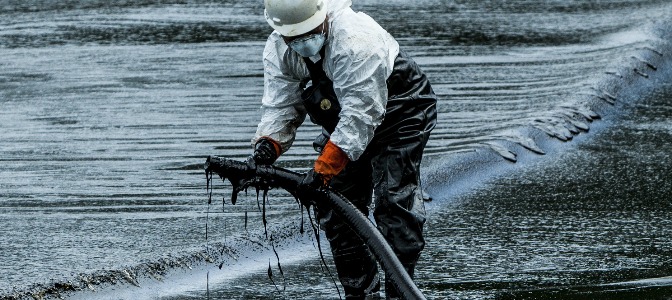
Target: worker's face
x=309 y=43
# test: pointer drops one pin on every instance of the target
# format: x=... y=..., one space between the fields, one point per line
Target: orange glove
x=331 y=162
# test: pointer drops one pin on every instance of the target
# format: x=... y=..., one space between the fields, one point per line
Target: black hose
x=236 y=172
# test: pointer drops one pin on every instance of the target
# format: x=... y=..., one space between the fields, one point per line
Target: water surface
x=109 y=109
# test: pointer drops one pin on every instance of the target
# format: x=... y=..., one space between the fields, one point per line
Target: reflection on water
x=109 y=109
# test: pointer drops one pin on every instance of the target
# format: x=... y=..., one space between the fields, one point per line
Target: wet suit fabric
x=390 y=167
x=358 y=58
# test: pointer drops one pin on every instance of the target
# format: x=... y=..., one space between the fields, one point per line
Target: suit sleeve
x=282 y=111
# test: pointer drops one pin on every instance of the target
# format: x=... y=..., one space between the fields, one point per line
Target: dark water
x=109 y=108
x=590 y=223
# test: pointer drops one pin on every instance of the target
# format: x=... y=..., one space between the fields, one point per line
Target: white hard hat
x=295 y=17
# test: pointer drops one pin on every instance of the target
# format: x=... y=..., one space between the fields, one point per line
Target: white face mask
x=309 y=45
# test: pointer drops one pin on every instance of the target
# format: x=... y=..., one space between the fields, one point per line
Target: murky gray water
x=108 y=110
x=592 y=223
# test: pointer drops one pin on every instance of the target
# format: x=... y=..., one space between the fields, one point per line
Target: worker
x=376 y=108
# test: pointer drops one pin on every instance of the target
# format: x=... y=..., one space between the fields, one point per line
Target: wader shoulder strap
x=315 y=68
x=320 y=99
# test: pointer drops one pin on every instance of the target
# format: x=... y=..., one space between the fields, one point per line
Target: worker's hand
x=266 y=151
x=314 y=180
x=306 y=189
x=331 y=162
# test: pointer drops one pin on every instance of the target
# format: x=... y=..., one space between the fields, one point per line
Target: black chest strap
x=320 y=99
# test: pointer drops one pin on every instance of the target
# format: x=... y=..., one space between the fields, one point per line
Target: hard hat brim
x=299 y=28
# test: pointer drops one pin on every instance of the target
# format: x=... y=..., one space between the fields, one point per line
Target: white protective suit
x=359 y=57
